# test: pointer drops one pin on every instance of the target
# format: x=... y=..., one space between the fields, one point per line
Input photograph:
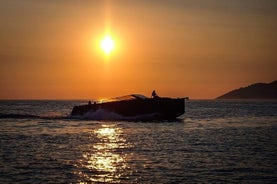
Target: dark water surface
x=216 y=142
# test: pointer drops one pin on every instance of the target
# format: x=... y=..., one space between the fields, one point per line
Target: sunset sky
x=196 y=48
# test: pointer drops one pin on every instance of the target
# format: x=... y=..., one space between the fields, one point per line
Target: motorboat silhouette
x=135 y=106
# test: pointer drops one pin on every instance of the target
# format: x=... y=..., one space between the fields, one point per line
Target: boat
x=134 y=106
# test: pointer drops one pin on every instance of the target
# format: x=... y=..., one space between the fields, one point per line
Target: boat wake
x=30 y=116
x=18 y=116
x=100 y=114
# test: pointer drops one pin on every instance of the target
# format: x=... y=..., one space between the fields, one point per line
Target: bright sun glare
x=107 y=44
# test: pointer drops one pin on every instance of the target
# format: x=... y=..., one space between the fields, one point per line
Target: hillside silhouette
x=254 y=91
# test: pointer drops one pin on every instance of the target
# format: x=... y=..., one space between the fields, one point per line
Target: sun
x=107 y=44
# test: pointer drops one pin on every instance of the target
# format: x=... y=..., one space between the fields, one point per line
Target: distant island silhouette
x=254 y=91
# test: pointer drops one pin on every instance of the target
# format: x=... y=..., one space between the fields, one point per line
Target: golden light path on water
x=104 y=162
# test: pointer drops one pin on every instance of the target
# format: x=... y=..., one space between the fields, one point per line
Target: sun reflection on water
x=105 y=161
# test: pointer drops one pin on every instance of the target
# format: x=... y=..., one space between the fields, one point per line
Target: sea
x=215 y=141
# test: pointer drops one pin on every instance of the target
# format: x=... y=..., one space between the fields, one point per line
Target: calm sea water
x=216 y=142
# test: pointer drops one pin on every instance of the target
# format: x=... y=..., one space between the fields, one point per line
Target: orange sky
x=196 y=48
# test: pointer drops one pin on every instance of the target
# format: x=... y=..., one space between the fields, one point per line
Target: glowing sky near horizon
x=196 y=48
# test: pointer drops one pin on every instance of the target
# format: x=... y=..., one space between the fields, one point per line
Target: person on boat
x=154 y=94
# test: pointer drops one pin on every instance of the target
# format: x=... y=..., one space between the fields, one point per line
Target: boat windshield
x=123 y=98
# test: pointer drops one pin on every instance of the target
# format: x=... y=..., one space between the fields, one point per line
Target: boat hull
x=163 y=108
